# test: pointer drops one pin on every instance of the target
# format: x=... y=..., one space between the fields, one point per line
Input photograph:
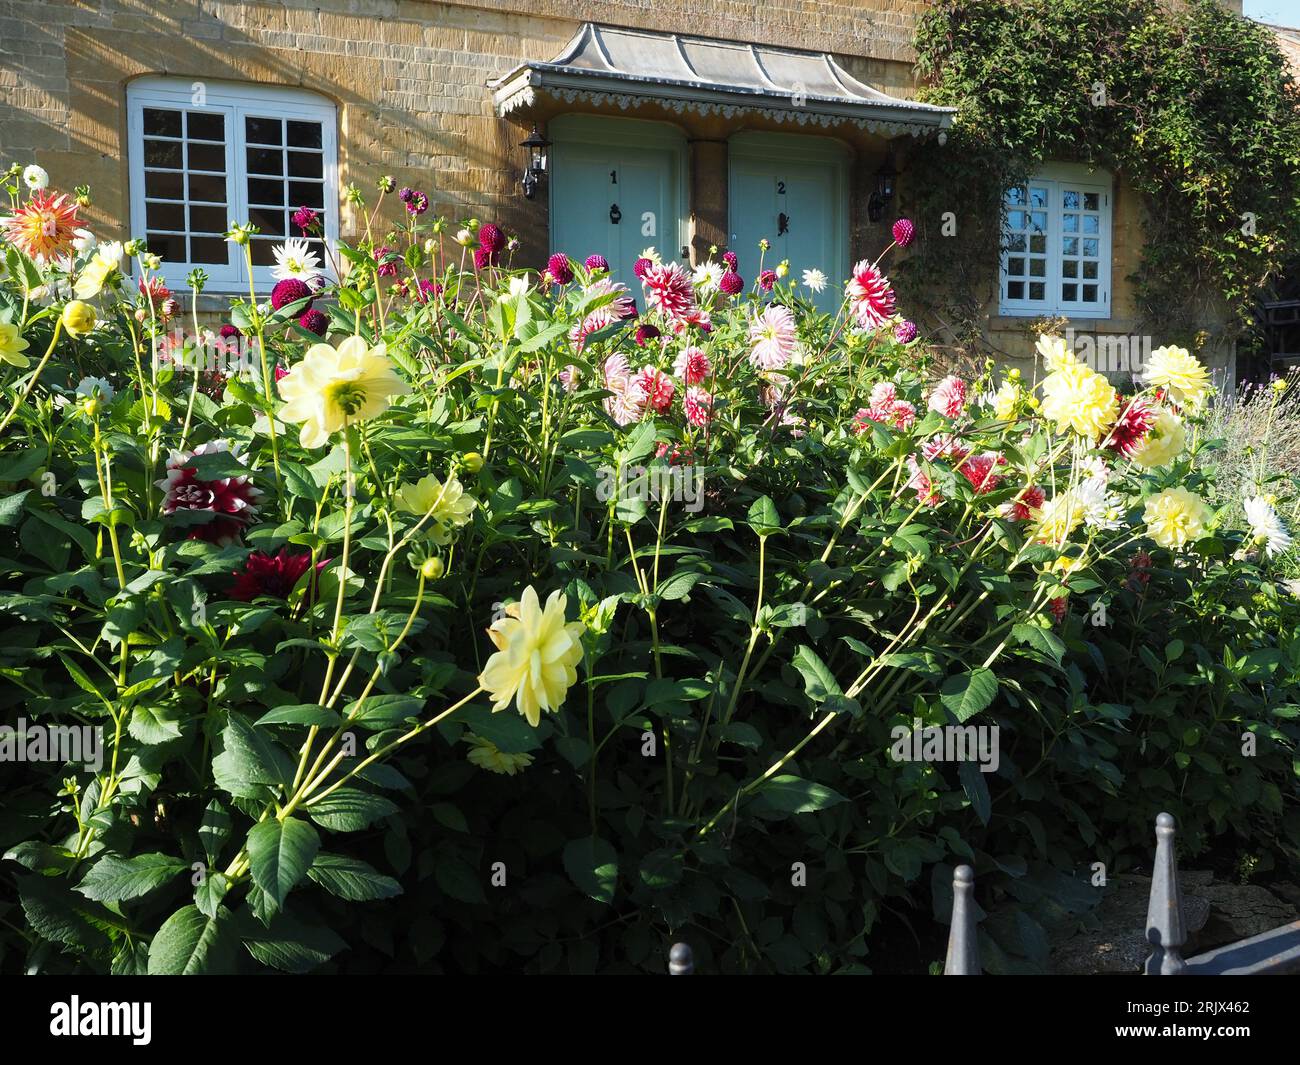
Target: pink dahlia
x=570 y=377
x=948 y=397
x=306 y=220
x=692 y=366
x=669 y=291
x=1060 y=606
x=1131 y=428
x=883 y=394
x=1024 y=508
x=732 y=284
x=658 y=389
x=674 y=454
x=772 y=337
x=597 y=262
x=698 y=405
x=231 y=500
x=920 y=481
x=558 y=269
x=386 y=261
x=905 y=332
x=944 y=446
x=904 y=232
x=617 y=309
x=871 y=300
x=981 y=471
x=627 y=403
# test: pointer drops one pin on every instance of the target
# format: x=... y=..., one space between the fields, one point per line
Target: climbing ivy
x=1194 y=106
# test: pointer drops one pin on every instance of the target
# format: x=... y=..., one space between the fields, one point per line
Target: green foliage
x=1191 y=104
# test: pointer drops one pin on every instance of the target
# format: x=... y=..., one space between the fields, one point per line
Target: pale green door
x=615 y=191
x=791 y=191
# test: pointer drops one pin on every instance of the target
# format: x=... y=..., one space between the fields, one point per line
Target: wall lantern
x=884 y=191
x=536 y=146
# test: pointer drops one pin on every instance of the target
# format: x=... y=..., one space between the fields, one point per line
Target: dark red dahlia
x=270 y=575
x=417 y=204
x=315 y=321
x=766 y=280
x=905 y=332
x=732 y=283
x=281 y=371
x=290 y=290
x=981 y=471
x=1139 y=575
x=731 y=260
x=1060 y=606
x=306 y=220
x=491 y=237
x=386 y=261
x=212 y=383
x=904 y=232
x=232 y=500
x=228 y=331
x=1131 y=428
x=597 y=262
x=641 y=266
x=646 y=333
x=482 y=258
x=557 y=266
x=405 y=194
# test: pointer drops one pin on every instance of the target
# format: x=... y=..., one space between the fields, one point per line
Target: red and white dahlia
x=232 y=500
x=949 y=396
x=772 y=338
x=698 y=405
x=669 y=291
x=692 y=366
x=658 y=389
x=871 y=300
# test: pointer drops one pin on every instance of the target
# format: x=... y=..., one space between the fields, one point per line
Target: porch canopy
x=626 y=68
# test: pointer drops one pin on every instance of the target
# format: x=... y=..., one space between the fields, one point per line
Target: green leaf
x=458 y=879
x=794 y=795
x=210 y=891
x=291 y=945
x=249 y=762
x=349 y=810
x=190 y=943
x=819 y=683
x=966 y=694
x=351 y=878
x=115 y=879
x=152 y=724
x=1040 y=639
x=763 y=517
x=381 y=712
x=592 y=864
x=301 y=714
x=214 y=830
x=280 y=853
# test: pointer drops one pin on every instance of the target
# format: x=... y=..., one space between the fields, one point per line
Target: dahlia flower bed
x=437 y=612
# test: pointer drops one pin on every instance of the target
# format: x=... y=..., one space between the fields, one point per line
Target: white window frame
x=1057 y=179
x=236 y=101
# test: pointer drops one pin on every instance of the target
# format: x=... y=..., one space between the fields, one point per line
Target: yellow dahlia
x=1076 y=397
x=487 y=755
x=1056 y=353
x=1179 y=371
x=99 y=271
x=1006 y=401
x=1164 y=441
x=12 y=346
x=1057 y=518
x=446 y=504
x=1175 y=517
x=332 y=387
x=536 y=656
x=78 y=318
x=44 y=227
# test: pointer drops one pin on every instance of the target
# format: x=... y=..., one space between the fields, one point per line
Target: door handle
x=615 y=215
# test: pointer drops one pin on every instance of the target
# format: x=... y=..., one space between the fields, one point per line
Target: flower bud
x=78 y=318
x=473 y=461
x=431 y=569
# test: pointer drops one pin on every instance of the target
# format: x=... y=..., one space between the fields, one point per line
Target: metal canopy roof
x=625 y=67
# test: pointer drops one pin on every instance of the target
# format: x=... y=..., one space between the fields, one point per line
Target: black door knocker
x=782 y=224
x=615 y=215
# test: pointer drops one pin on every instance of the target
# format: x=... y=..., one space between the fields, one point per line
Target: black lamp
x=884 y=190
x=536 y=146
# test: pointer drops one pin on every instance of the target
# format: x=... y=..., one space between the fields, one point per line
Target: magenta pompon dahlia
x=558 y=269
x=596 y=262
x=290 y=290
x=904 y=232
x=732 y=284
x=314 y=321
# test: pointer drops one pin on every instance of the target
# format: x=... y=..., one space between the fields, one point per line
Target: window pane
x=306 y=194
x=1068 y=293
x=1090 y=248
x=1070 y=223
x=270 y=221
x=208 y=220
x=263 y=251
x=1016 y=266
x=1038 y=219
x=265 y=161
x=1016 y=219
x=208 y=187
x=1090 y=270
x=1070 y=268
x=305 y=134
x=1017 y=196
x=206 y=157
x=165 y=216
x=1091 y=223
x=1038 y=245
x=1037 y=267
x=205 y=126
x=1070 y=200
x=1090 y=293
x=164 y=186
x=305 y=164
x=162 y=123
x=1091 y=201
x=171 y=247
x=1016 y=243
x=266 y=191
x=1070 y=246
x=211 y=250
x=1037 y=290
x=1038 y=197
x=162 y=153
x=1015 y=290
x=263 y=131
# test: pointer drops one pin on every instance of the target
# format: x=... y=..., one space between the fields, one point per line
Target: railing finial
x=681 y=962
x=1166 y=925
x=963 y=951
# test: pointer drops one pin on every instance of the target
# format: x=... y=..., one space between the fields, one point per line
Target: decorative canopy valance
x=628 y=68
